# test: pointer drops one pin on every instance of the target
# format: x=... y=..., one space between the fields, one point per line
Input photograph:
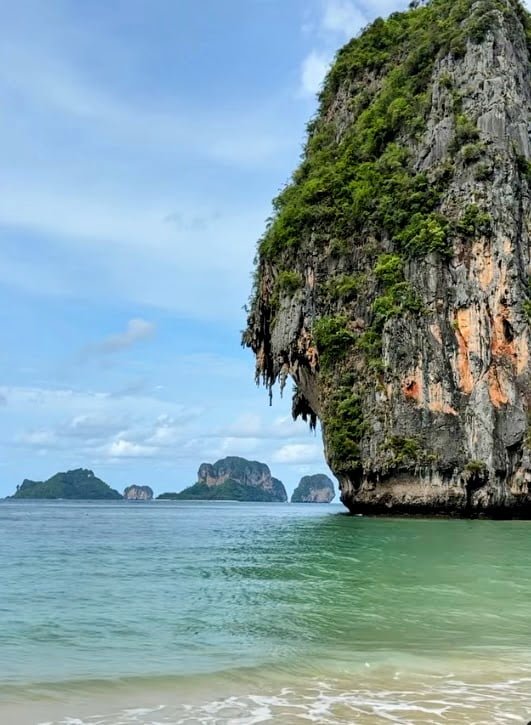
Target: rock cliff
x=314 y=489
x=393 y=281
x=138 y=493
x=80 y=484
x=233 y=479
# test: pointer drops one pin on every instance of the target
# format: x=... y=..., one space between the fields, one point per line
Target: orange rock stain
x=502 y=343
x=437 y=402
x=482 y=254
x=497 y=394
x=412 y=390
x=464 y=334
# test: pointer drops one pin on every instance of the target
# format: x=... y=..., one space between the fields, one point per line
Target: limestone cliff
x=234 y=479
x=392 y=283
x=138 y=493
x=314 y=489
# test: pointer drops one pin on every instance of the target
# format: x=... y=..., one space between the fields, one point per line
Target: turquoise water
x=170 y=612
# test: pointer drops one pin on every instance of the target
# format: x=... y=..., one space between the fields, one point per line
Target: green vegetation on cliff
x=80 y=484
x=229 y=490
x=233 y=479
x=363 y=180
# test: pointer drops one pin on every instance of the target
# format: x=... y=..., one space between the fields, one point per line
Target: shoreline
x=465 y=690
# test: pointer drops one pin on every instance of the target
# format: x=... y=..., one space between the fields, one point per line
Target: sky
x=142 y=142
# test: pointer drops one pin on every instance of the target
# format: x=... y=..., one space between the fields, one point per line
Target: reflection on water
x=240 y=613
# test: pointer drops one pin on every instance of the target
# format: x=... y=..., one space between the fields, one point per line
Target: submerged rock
x=393 y=282
x=138 y=493
x=314 y=489
x=234 y=479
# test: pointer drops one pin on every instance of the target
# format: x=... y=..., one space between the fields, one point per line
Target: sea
x=164 y=613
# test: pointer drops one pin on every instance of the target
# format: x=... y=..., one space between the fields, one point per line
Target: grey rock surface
x=138 y=493
x=314 y=489
x=248 y=473
x=457 y=378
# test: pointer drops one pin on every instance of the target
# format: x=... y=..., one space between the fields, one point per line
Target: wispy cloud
x=46 y=84
x=132 y=389
x=298 y=453
x=94 y=425
x=136 y=331
x=252 y=425
x=337 y=22
x=123 y=448
x=127 y=249
x=37 y=438
x=343 y=17
x=314 y=69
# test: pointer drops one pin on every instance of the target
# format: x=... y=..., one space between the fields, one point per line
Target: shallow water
x=244 y=613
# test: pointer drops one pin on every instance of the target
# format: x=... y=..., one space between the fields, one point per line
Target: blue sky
x=142 y=142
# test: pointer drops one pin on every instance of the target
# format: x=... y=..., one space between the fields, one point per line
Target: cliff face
x=138 y=493
x=392 y=284
x=233 y=479
x=314 y=489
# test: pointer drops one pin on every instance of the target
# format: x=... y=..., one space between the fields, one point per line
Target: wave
x=448 y=701
x=247 y=696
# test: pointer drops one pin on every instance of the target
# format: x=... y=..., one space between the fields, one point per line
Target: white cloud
x=285 y=427
x=128 y=449
x=37 y=438
x=168 y=431
x=93 y=427
x=298 y=453
x=87 y=423
x=340 y=19
x=133 y=389
x=343 y=17
x=237 y=446
x=247 y=425
x=313 y=72
x=136 y=331
x=252 y=426
x=373 y=8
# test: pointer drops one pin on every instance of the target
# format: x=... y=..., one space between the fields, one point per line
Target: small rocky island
x=233 y=479
x=138 y=493
x=80 y=484
x=314 y=489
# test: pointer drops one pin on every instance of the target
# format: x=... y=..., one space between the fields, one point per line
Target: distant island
x=138 y=493
x=314 y=489
x=233 y=479
x=80 y=484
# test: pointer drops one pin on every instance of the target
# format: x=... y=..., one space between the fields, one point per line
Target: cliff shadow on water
x=392 y=282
